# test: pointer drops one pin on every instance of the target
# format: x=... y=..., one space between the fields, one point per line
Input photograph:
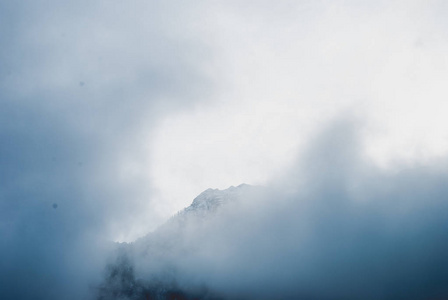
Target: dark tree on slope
x=120 y=284
x=119 y=281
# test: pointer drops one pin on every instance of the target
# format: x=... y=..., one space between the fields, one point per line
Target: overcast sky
x=115 y=115
x=286 y=69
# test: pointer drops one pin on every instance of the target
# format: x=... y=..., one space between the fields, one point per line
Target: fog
x=333 y=227
x=82 y=84
x=115 y=115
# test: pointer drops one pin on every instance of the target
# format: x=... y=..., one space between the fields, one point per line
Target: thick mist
x=334 y=227
x=115 y=114
x=82 y=85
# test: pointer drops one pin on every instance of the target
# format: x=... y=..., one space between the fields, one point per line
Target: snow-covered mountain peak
x=210 y=199
x=203 y=206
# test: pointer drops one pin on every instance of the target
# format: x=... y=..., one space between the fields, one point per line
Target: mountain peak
x=210 y=199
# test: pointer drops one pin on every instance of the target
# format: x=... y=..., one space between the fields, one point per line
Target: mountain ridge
x=156 y=250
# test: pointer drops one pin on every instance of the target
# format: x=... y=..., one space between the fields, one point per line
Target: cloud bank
x=105 y=105
x=334 y=227
x=82 y=84
x=287 y=68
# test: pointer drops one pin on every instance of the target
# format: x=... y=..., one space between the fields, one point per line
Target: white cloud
x=291 y=67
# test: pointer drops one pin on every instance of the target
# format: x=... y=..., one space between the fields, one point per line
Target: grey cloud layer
x=81 y=85
x=342 y=229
